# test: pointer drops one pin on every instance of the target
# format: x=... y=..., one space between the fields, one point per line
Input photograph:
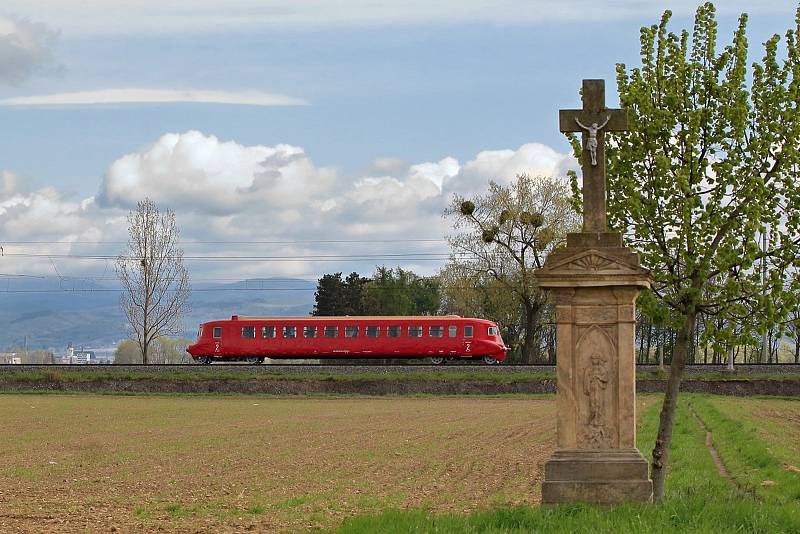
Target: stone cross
x=593 y=121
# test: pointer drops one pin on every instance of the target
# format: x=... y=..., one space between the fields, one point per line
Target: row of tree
x=162 y=350
x=389 y=292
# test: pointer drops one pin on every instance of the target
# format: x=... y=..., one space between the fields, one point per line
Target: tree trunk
x=667 y=418
x=640 y=333
x=671 y=345
x=649 y=341
x=529 y=354
x=731 y=357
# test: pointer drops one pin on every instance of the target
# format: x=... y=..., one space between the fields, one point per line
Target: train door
x=216 y=335
x=468 y=339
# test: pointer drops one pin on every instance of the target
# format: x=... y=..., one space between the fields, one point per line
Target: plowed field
x=105 y=463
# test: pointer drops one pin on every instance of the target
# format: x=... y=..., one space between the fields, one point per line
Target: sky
x=292 y=138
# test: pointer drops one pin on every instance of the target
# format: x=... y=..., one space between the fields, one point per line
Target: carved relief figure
x=591 y=142
x=595 y=382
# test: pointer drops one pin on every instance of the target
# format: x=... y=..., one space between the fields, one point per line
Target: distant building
x=7 y=358
x=81 y=356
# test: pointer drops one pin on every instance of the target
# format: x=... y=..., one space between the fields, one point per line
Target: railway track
x=344 y=369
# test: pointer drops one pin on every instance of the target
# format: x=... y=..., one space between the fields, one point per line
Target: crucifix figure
x=591 y=143
x=593 y=121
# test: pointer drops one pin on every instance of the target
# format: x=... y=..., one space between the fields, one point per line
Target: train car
x=439 y=338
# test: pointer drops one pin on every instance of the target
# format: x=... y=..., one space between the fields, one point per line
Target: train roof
x=346 y=317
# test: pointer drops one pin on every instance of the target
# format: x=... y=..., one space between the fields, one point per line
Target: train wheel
x=206 y=360
x=438 y=360
x=253 y=361
x=489 y=360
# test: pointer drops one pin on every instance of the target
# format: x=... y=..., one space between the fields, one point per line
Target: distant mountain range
x=53 y=313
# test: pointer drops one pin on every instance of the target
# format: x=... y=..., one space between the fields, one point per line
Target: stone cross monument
x=594 y=282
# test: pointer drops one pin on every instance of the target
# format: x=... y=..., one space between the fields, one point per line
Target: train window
x=467 y=330
x=393 y=331
x=249 y=332
x=289 y=331
x=414 y=331
x=267 y=331
x=492 y=331
x=452 y=331
x=217 y=333
x=331 y=331
x=436 y=331
x=350 y=331
x=309 y=331
x=373 y=331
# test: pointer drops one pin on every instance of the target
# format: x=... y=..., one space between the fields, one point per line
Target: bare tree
x=154 y=279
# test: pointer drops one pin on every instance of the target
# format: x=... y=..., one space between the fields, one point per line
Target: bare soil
x=230 y=464
x=412 y=386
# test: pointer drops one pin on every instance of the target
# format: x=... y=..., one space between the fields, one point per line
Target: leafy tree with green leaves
x=353 y=294
x=709 y=164
x=401 y=292
x=329 y=296
x=164 y=349
x=506 y=234
x=128 y=352
x=389 y=292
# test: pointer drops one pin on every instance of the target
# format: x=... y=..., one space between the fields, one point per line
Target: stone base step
x=602 y=476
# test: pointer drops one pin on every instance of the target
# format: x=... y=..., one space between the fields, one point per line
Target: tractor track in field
x=715 y=456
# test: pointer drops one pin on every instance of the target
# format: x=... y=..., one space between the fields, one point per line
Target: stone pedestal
x=594 y=283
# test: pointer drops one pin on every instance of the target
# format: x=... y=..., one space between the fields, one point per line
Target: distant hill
x=53 y=313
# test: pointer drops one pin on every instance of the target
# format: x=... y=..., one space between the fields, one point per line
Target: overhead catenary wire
x=235 y=242
x=418 y=256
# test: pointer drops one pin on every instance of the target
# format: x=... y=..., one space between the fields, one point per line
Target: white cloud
x=198 y=172
x=146 y=16
x=502 y=165
x=25 y=47
x=227 y=192
x=139 y=96
x=44 y=213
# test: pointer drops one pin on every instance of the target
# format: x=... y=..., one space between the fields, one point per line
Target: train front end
x=203 y=347
x=495 y=348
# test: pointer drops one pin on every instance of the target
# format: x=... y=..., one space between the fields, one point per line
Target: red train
x=440 y=338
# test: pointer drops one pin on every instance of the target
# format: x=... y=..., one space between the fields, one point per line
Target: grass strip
x=719 y=376
x=698 y=500
x=752 y=463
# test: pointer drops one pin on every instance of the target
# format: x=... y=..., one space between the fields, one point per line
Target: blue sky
x=386 y=88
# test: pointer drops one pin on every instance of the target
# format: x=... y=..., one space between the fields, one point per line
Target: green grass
x=697 y=500
x=717 y=375
x=758 y=468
